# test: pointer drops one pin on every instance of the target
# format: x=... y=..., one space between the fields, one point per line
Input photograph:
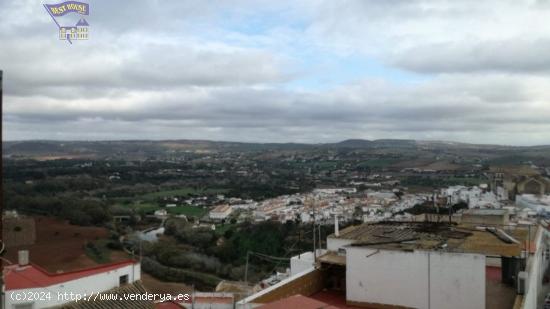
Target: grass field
x=188 y=211
x=182 y=192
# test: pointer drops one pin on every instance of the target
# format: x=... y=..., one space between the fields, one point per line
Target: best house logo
x=68 y=16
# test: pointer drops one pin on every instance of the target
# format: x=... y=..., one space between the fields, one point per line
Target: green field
x=188 y=211
x=182 y=192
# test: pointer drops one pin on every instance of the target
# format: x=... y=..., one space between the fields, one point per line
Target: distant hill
x=353 y=143
x=143 y=149
x=379 y=143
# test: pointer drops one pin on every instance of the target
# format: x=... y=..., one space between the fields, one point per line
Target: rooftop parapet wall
x=536 y=267
x=305 y=283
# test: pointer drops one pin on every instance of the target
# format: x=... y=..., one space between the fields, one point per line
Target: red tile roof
x=167 y=305
x=297 y=301
x=337 y=299
x=33 y=276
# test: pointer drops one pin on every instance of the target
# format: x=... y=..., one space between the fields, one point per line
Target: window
x=123 y=280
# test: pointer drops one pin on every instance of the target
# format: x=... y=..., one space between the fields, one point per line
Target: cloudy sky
x=281 y=71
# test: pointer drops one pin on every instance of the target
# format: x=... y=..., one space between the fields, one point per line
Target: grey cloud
x=440 y=36
x=153 y=71
x=399 y=108
x=101 y=71
x=514 y=56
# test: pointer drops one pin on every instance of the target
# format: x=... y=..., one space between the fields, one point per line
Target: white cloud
x=198 y=70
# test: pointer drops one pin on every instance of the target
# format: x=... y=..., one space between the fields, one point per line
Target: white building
x=151 y=234
x=161 y=213
x=221 y=212
x=56 y=289
x=475 y=196
x=540 y=204
x=334 y=190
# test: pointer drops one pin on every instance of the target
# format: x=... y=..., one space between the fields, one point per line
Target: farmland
x=184 y=192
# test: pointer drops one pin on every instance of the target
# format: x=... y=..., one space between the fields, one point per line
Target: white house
x=55 y=289
x=540 y=204
x=221 y=212
x=161 y=213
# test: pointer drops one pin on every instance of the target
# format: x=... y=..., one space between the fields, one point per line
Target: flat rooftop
x=486 y=212
x=298 y=301
x=505 y=241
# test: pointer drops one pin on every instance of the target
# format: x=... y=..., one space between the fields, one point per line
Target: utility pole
x=450 y=205
x=436 y=205
x=320 y=244
x=246 y=268
x=314 y=246
x=450 y=214
x=193 y=296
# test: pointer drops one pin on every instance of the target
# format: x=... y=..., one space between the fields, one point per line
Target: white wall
x=333 y=244
x=210 y=305
x=530 y=201
x=419 y=279
x=249 y=302
x=457 y=280
x=386 y=277
x=87 y=285
x=536 y=267
x=300 y=263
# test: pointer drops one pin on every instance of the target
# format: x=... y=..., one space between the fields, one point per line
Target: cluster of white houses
x=321 y=205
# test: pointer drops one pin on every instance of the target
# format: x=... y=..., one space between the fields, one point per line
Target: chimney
x=336 y=229
x=23 y=257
